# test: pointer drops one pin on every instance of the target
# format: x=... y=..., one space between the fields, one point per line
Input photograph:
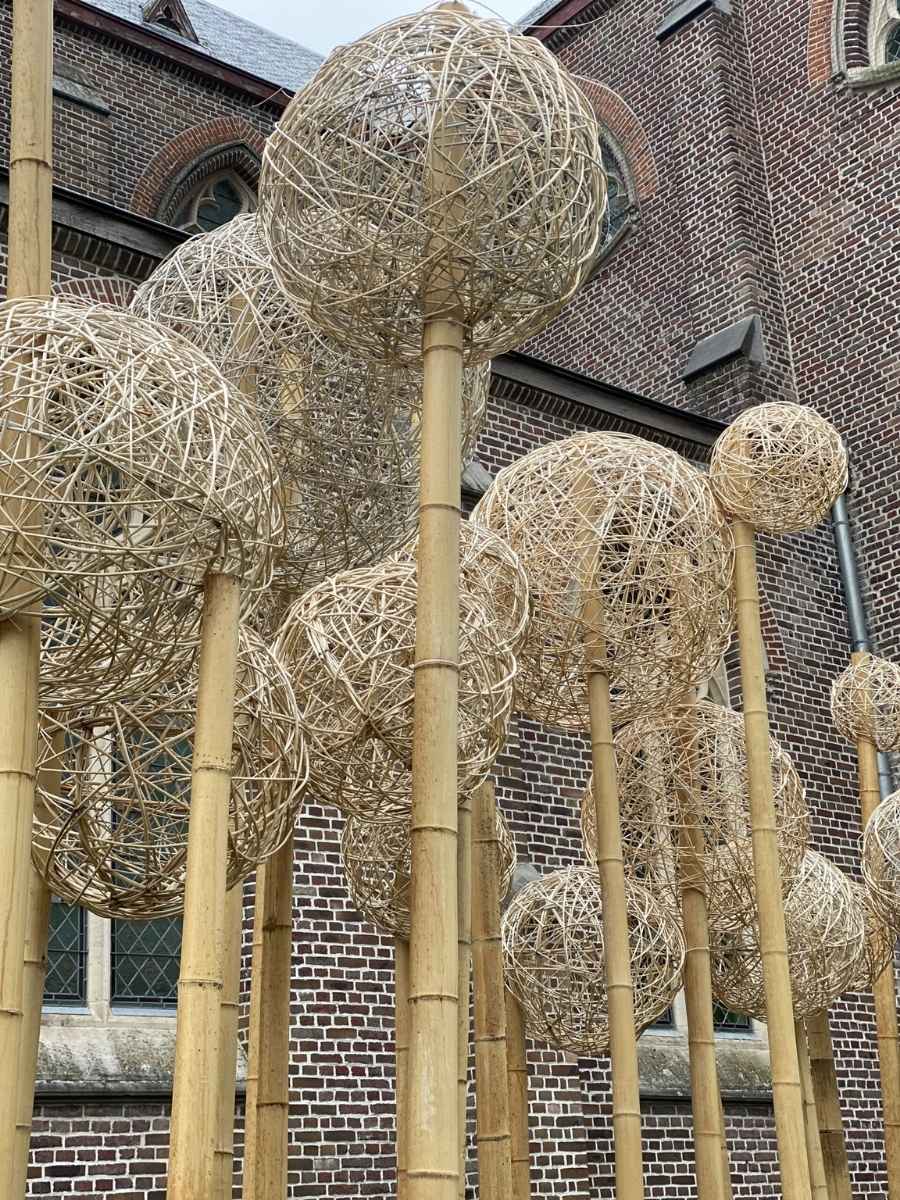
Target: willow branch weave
x=881 y=859
x=865 y=702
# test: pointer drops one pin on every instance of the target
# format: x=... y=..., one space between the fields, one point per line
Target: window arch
x=884 y=33
x=214 y=201
x=621 y=213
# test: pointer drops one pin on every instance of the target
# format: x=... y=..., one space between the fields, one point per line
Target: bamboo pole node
x=881 y=860
x=779 y=467
x=553 y=946
x=698 y=750
x=377 y=861
x=113 y=836
x=439 y=168
x=865 y=701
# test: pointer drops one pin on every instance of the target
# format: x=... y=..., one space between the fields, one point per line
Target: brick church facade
x=750 y=255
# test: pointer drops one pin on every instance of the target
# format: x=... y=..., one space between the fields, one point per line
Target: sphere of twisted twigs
x=128 y=468
x=114 y=781
x=881 y=859
x=555 y=965
x=825 y=930
x=377 y=861
x=629 y=563
x=780 y=467
x=865 y=701
x=685 y=808
x=349 y=645
x=877 y=949
x=440 y=166
x=344 y=432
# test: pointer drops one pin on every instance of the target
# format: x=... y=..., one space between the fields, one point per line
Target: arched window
x=621 y=213
x=214 y=202
x=884 y=33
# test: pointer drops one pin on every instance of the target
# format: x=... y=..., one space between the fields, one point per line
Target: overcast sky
x=322 y=24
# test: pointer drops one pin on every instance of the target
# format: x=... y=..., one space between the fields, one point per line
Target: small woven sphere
x=881 y=859
x=349 y=645
x=114 y=782
x=825 y=928
x=877 y=949
x=440 y=165
x=685 y=808
x=780 y=467
x=345 y=433
x=555 y=965
x=490 y=569
x=377 y=859
x=632 y=530
x=865 y=702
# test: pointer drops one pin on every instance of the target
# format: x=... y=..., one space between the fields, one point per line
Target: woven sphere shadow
x=349 y=645
x=877 y=949
x=825 y=929
x=439 y=165
x=865 y=702
x=114 y=781
x=377 y=861
x=554 y=959
x=881 y=859
x=622 y=541
x=128 y=469
x=780 y=467
x=685 y=808
x=345 y=433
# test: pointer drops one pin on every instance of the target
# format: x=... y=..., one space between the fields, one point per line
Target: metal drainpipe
x=856 y=613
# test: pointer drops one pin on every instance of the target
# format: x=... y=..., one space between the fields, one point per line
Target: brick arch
x=837 y=38
x=110 y=289
x=189 y=147
x=628 y=133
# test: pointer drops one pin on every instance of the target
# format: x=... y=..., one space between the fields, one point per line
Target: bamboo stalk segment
x=253 y=1035
x=726 y=1165
x=401 y=1049
x=786 y=1090
x=828 y=1106
x=817 y=1177
x=232 y=931
x=195 y=1089
x=492 y=1120
x=464 y=891
x=517 y=1079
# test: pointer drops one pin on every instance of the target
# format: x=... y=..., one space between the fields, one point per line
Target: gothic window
x=621 y=207
x=217 y=199
x=884 y=33
x=66 y=981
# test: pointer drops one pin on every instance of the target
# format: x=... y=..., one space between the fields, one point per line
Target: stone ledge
x=742 y=339
x=870 y=77
x=743 y=1062
x=77 y=93
x=686 y=11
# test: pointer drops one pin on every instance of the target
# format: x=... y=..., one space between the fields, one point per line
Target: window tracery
x=218 y=198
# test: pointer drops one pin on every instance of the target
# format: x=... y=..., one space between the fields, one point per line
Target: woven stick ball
x=111 y=817
x=881 y=859
x=554 y=959
x=684 y=788
x=865 y=701
x=877 y=949
x=780 y=467
x=825 y=929
x=344 y=432
x=441 y=166
x=349 y=645
x=377 y=865
x=616 y=520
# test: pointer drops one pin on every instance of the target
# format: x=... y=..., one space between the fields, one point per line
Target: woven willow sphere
x=349 y=645
x=616 y=520
x=685 y=808
x=344 y=432
x=554 y=959
x=877 y=949
x=377 y=864
x=881 y=859
x=111 y=817
x=443 y=165
x=780 y=467
x=865 y=702
x=825 y=930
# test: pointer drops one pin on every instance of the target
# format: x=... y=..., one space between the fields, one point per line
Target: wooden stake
x=828 y=1107
x=517 y=1073
x=464 y=951
x=401 y=1049
x=195 y=1089
x=230 y=950
x=492 y=1133
x=786 y=1093
x=813 y=1144
x=253 y=1031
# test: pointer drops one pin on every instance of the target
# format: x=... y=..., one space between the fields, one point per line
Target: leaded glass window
x=66 y=981
x=144 y=958
x=892 y=45
x=727 y=1021
x=617 y=199
x=218 y=199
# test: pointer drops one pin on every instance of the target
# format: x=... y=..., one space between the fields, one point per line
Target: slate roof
x=533 y=16
x=232 y=40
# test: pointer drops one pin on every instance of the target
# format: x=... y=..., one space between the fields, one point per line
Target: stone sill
x=870 y=77
x=743 y=1062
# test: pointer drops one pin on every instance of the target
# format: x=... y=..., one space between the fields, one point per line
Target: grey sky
x=322 y=24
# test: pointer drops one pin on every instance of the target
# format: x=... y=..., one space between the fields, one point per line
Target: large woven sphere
x=614 y=521
x=377 y=860
x=865 y=701
x=685 y=808
x=344 y=432
x=114 y=781
x=555 y=965
x=780 y=467
x=881 y=859
x=349 y=645
x=877 y=949
x=440 y=165
x=825 y=929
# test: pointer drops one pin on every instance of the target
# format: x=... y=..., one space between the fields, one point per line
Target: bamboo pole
x=230 y=951
x=464 y=952
x=726 y=1165
x=29 y=241
x=517 y=1077
x=492 y=1132
x=401 y=1050
x=817 y=1178
x=248 y=1182
x=195 y=1089
x=786 y=1093
x=828 y=1107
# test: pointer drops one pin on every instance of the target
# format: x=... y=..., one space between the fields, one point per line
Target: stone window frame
x=884 y=20
x=613 y=149
x=235 y=161
x=203 y=191
x=859 y=33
